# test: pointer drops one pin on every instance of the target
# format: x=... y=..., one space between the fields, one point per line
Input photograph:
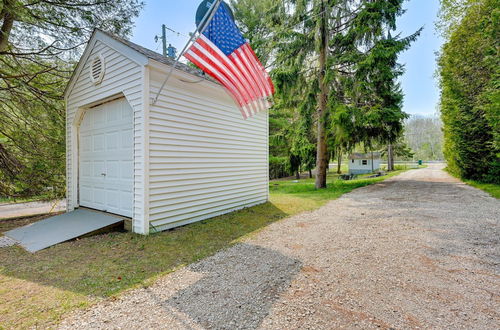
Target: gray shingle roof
x=358 y=155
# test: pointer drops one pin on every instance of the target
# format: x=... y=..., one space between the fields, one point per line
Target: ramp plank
x=60 y=228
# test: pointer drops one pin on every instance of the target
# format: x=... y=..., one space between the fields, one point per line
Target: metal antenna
x=200 y=29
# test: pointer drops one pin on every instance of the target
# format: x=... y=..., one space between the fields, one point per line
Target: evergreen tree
x=331 y=62
x=469 y=67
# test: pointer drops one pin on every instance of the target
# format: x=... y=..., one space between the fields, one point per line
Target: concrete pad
x=44 y=233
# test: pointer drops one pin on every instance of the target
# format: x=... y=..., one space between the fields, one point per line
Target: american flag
x=223 y=53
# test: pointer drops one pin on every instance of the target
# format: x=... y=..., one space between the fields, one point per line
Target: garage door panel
x=127 y=170
x=113 y=199
x=113 y=113
x=127 y=139
x=106 y=147
x=98 y=169
x=125 y=197
x=99 y=115
x=112 y=169
x=86 y=195
x=99 y=197
x=98 y=142
x=112 y=140
x=86 y=143
x=126 y=112
x=86 y=169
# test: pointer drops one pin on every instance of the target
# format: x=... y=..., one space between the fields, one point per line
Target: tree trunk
x=339 y=163
x=322 y=151
x=7 y=16
x=297 y=175
x=310 y=174
x=390 y=158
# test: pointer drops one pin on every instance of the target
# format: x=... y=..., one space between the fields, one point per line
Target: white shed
x=360 y=163
x=189 y=157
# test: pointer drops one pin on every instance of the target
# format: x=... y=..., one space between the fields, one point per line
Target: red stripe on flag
x=241 y=73
x=195 y=59
x=204 y=50
x=264 y=72
x=253 y=86
x=216 y=75
x=259 y=79
x=246 y=83
x=225 y=64
x=255 y=77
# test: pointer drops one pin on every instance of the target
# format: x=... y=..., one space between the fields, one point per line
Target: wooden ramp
x=60 y=228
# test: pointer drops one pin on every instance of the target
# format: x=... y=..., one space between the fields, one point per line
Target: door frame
x=75 y=145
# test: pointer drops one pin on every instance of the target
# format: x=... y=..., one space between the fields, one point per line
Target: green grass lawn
x=9 y=200
x=37 y=289
x=490 y=188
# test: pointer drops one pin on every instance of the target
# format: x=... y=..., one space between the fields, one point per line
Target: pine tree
x=469 y=67
x=326 y=57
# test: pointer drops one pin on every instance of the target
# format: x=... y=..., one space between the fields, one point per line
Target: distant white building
x=360 y=163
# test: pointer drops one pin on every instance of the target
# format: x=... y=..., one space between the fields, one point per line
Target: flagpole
x=199 y=29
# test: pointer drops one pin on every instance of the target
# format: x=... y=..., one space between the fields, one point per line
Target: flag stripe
x=224 y=54
x=190 y=55
x=267 y=78
x=215 y=63
x=252 y=67
x=252 y=85
x=225 y=63
x=260 y=68
x=252 y=74
x=257 y=74
x=210 y=58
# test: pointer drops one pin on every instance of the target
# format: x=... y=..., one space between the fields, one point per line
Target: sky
x=418 y=83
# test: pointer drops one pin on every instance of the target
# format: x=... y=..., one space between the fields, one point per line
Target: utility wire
x=176 y=32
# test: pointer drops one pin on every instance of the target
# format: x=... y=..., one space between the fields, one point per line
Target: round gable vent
x=97 y=69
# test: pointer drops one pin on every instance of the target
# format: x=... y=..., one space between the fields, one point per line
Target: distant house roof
x=358 y=155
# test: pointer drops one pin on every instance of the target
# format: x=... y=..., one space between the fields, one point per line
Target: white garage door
x=106 y=178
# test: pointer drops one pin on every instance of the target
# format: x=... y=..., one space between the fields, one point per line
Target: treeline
x=424 y=136
x=469 y=69
x=335 y=69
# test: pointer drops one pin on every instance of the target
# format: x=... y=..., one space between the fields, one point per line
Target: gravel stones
x=6 y=241
x=420 y=250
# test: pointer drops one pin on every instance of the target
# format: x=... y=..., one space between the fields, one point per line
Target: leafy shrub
x=279 y=167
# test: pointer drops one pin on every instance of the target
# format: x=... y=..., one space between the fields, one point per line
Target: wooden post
x=390 y=158
x=372 y=162
x=339 y=162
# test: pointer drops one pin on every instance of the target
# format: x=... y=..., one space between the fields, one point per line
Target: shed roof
x=157 y=57
x=142 y=51
x=359 y=155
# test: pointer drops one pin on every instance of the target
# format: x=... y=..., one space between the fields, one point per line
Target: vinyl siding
x=204 y=158
x=123 y=77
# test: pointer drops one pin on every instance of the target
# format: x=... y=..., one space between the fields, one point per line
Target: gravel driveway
x=420 y=250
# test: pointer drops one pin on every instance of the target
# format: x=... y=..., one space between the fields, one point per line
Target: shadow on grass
x=107 y=264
